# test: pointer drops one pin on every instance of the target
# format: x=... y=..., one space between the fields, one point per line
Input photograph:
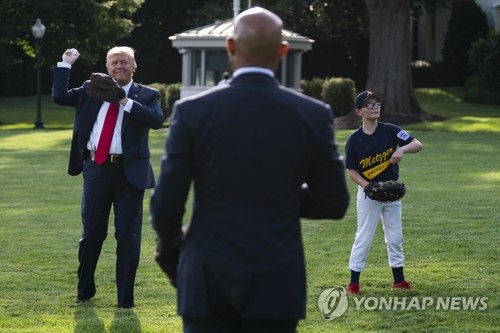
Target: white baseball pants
x=369 y=212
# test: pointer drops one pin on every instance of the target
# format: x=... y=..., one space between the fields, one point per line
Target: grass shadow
x=125 y=320
x=87 y=320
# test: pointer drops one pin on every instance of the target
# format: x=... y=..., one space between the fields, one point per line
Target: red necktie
x=101 y=154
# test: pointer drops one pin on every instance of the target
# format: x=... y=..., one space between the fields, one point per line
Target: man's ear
x=283 y=49
x=230 y=45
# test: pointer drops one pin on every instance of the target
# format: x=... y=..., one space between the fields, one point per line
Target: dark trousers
x=106 y=186
x=233 y=325
x=225 y=319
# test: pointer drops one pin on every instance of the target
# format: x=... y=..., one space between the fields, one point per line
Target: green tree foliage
x=88 y=25
x=209 y=12
x=329 y=23
x=338 y=27
x=339 y=21
x=155 y=22
x=467 y=24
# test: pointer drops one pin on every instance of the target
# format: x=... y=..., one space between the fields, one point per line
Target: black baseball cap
x=362 y=97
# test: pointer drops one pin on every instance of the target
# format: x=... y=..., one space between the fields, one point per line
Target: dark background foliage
x=339 y=28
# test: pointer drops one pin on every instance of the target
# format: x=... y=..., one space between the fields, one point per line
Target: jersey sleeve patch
x=403 y=135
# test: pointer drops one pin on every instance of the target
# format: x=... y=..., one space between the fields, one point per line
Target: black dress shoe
x=86 y=298
x=82 y=300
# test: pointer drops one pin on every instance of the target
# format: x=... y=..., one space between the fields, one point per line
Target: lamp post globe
x=38 y=31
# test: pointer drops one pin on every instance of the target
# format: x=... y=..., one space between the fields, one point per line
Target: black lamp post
x=38 y=31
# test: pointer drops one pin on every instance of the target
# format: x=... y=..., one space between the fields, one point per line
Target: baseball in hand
x=70 y=55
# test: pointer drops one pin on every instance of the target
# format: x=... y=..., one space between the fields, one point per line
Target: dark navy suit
x=120 y=185
x=248 y=147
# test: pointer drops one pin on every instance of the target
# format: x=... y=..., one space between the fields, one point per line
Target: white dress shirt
x=116 y=142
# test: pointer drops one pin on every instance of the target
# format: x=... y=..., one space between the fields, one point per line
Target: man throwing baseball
x=373 y=153
x=113 y=116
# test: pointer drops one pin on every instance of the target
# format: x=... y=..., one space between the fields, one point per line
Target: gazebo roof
x=214 y=35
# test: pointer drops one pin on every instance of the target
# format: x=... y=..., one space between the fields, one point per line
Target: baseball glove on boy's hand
x=385 y=191
x=105 y=88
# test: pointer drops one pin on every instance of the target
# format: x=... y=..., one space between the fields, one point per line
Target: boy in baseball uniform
x=373 y=153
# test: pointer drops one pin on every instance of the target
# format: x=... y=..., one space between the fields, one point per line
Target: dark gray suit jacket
x=145 y=114
x=248 y=147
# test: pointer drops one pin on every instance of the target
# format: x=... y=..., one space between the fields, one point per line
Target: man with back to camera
x=113 y=116
x=260 y=156
x=248 y=147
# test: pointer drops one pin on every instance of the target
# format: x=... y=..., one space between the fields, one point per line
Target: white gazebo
x=204 y=56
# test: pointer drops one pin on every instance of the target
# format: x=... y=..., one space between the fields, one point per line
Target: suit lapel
x=133 y=93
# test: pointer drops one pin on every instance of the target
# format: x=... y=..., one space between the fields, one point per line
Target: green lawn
x=451 y=226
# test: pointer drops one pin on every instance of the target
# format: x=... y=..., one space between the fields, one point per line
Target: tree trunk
x=389 y=72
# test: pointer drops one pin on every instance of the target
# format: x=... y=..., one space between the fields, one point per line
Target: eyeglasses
x=371 y=106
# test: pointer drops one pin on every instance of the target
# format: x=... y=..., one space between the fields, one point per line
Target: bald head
x=257 y=39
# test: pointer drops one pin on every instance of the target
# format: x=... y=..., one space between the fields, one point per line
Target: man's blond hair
x=130 y=52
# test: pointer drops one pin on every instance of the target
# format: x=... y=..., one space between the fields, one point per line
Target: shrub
x=313 y=87
x=491 y=97
x=478 y=95
x=173 y=93
x=484 y=59
x=162 y=88
x=470 y=82
x=467 y=24
x=339 y=93
x=169 y=94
